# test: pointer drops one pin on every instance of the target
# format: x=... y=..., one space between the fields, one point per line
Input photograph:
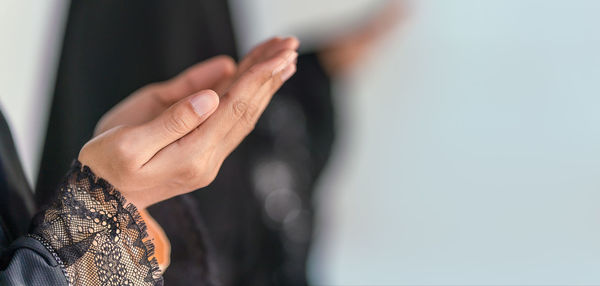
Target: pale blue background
x=471 y=152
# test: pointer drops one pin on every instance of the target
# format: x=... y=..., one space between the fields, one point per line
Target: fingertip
x=284 y=59
x=204 y=102
x=210 y=92
x=293 y=42
x=216 y=98
x=213 y=95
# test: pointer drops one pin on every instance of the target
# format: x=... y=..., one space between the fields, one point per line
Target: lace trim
x=99 y=238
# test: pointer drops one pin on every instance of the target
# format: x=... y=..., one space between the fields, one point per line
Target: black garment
x=30 y=263
x=30 y=257
x=253 y=225
x=16 y=199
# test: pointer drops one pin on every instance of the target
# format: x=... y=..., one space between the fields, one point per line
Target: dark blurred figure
x=253 y=225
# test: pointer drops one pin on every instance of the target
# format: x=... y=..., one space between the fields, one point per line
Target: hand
x=216 y=73
x=182 y=148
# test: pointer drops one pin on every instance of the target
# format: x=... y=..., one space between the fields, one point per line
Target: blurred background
x=467 y=144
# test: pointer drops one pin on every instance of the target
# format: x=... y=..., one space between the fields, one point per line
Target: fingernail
x=203 y=103
x=289 y=59
x=288 y=72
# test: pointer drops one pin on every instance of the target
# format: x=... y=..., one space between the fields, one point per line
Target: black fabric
x=16 y=204
x=30 y=264
x=191 y=261
x=23 y=261
x=253 y=225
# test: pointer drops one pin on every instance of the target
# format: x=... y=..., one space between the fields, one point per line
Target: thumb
x=176 y=122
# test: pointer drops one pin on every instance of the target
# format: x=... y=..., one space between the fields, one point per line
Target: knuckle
x=125 y=150
x=177 y=122
x=239 y=108
x=246 y=113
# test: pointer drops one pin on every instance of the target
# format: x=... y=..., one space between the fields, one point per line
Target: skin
x=171 y=138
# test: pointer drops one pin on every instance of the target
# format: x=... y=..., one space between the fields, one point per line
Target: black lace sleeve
x=96 y=237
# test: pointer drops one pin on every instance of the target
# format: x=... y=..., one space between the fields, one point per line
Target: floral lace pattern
x=99 y=238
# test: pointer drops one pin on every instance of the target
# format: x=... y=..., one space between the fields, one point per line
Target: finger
x=205 y=75
x=266 y=51
x=276 y=84
x=174 y=123
x=254 y=54
x=259 y=54
x=237 y=134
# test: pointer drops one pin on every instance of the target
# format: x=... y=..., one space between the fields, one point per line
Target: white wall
x=30 y=35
